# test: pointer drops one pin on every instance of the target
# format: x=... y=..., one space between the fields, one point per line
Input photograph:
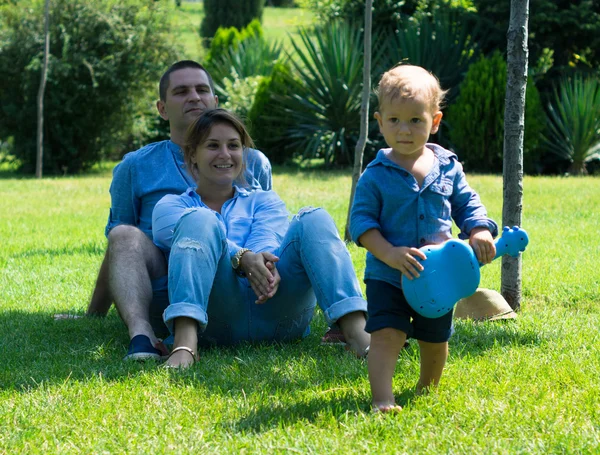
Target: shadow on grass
x=275 y=384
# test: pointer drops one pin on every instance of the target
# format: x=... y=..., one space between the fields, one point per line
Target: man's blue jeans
x=314 y=265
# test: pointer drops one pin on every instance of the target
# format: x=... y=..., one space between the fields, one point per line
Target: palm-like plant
x=442 y=44
x=323 y=108
x=574 y=122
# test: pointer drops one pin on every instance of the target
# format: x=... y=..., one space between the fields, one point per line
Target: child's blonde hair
x=408 y=81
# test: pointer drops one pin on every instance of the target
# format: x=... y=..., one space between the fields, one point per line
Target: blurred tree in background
x=106 y=59
x=229 y=13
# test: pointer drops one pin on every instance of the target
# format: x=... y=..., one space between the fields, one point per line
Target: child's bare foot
x=386 y=407
x=181 y=358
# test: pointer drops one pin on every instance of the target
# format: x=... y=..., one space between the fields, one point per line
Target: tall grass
x=526 y=386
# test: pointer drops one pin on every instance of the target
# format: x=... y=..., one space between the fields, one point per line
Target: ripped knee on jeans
x=306 y=210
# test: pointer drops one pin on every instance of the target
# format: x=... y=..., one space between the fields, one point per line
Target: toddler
x=406 y=199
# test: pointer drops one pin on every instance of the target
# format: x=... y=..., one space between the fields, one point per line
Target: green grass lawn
x=278 y=24
x=527 y=386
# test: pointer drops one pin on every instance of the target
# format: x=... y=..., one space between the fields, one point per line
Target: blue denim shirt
x=254 y=219
x=389 y=199
x=146 y=175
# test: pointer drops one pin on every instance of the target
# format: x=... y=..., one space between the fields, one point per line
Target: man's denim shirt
x=389 y=199
x=146 y=175
x=253 y=219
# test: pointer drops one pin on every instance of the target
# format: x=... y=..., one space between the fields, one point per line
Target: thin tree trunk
x=364 y=113
x=40 y=99
x=514 y=128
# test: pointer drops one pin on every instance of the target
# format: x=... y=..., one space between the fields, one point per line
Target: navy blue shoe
x=140 y=348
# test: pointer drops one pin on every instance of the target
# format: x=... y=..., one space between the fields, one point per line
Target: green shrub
x=571 y=29
x=267 y=119
x=230 y=37
x=574 y=122
x=240 y=93
x=224 y=38
x=229 y=13
x=106 y=59
x=323 y=103
x=476 y=119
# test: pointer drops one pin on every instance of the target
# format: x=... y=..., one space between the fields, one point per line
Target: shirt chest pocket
x=438 y=199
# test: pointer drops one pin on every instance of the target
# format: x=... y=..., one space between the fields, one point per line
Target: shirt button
x=422 y=240
x=421 y=217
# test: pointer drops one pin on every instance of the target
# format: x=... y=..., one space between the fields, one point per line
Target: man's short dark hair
x=163 y=86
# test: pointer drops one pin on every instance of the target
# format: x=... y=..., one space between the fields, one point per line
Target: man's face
x=188 y=95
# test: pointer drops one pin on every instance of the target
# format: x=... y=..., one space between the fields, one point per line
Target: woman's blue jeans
x=314 y=265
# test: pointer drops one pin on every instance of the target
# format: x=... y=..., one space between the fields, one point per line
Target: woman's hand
x=261 y=271
x=482 y=242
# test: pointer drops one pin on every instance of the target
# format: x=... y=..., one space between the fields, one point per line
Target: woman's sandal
x=182 y=348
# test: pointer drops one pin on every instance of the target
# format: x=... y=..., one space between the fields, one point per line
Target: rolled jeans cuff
x=187 y=310
x=344 y=307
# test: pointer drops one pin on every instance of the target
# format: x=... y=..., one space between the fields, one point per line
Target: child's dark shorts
x=387 y=308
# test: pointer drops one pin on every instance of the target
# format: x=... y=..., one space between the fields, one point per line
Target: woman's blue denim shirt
x=146 y=175
x=253 y=219
x=389 y=199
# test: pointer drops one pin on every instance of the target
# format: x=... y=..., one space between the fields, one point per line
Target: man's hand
x=482 y=242
x=405 y=259
x=261 y=270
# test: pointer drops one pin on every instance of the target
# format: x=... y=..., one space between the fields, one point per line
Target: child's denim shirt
x=389 y=199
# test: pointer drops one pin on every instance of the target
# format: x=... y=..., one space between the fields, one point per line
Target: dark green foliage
x=476 y=119
x=281 y=3
x=240 y=54
x=324 y=102
x=106 y=59
x=387 y=15
x=439 y=44
x=229 y=13
x=574 y=122
x=267 y=126
x=569 y=28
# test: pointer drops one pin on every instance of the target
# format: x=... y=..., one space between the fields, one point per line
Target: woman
x=239 y=270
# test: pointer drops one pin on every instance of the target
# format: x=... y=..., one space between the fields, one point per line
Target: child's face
x=407 y=123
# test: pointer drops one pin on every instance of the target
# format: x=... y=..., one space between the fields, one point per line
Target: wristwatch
x=236 y=259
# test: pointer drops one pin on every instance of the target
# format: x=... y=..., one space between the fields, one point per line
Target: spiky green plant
x=324 y=105
x=441 y=44
x=574 y=121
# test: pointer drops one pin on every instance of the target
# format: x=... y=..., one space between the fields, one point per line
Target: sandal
x=182 y=348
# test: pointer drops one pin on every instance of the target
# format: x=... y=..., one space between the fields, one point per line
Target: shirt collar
x=444 y=156
x=238 y=191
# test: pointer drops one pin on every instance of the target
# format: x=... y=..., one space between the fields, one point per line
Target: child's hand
x=483 y=244
x=403 y=258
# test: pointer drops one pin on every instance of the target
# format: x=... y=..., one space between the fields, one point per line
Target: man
x=133 y=273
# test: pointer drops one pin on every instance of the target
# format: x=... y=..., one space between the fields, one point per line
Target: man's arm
x=101 y=300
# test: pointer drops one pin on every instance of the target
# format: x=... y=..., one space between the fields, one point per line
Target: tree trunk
x=364 y=113
x=514 y=128
x=40 y=98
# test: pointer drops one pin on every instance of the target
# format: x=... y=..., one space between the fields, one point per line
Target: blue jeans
x=314 y=265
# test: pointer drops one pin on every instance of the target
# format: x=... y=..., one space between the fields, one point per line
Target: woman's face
x=219 y=157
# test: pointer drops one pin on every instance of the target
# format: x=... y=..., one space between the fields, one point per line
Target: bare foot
x=386 y=407
x=353 y=328
x=181 y=358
